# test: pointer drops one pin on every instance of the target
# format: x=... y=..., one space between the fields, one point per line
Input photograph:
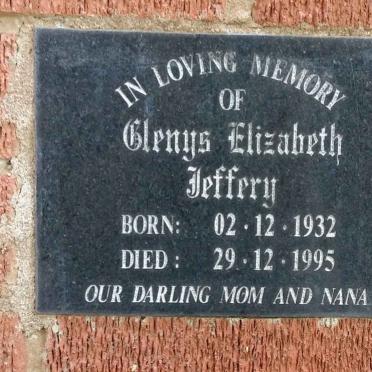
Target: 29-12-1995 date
x=263 y=259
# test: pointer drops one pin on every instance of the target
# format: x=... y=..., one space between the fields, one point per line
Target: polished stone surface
x=91 y=172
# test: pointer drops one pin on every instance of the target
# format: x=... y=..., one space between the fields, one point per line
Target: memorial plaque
x=211 y=175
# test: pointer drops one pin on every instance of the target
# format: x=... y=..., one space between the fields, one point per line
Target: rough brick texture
x=8 y=140
x=174 y=8
x=153 y=344
x=12 y=345
x=7 y=48
x=335 y=13
x=8 y=186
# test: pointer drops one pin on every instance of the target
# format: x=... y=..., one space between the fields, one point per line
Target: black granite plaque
x=203 y=174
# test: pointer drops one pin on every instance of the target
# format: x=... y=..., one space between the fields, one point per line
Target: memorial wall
x=185 y=186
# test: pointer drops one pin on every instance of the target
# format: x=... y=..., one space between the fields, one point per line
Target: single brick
x=12 y=345
x=174 y=344
x=172 y=8
x=334 y=13
x=7 y=47
x=8 y=186
x=8 y=140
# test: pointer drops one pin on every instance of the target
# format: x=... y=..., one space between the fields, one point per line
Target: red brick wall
x=154 y=344
x=12 y=344
x=187 y=8
x=334 y=13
